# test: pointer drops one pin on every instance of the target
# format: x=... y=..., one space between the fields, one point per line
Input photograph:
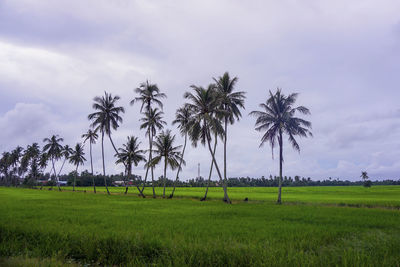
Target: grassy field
x=316 y=226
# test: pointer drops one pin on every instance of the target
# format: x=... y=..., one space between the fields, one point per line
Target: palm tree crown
x=130 y=152
x=53 y=147
x=231 y=101
x=184 y=119
x=164 y=148
x=148 y=94
x=205 y=108
x=107 y=117
x=278 y=117
x=77 y=156
x=152 y=121
x=91 y=136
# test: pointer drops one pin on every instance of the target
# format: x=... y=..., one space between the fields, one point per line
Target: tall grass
x=127 y=230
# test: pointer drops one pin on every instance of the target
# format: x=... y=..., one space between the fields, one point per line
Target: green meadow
x=315 y=226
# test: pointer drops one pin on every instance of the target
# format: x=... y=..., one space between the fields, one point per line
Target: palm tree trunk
x=280 y=167
x=226 y=197
x=76 y=174
x=211 y=167
x=104 y=166
x=225 y=138
x=152 y=168
x=165 y=174
x=179 y=168
x=62 y=166
x=54 y=170
x=91 y=165
x=129 y=175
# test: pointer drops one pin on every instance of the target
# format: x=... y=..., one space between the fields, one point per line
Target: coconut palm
x=53 y=148
x=165 y=149
x=152 y=122
x=77 y=158
x=211 y=167
x=105 y=119
x=91 y=136
x=130 y=154
x=149 y=95
x=15 y=160
x=231 y=102
x=205 y=105
x=276 y=118
x=183 y=118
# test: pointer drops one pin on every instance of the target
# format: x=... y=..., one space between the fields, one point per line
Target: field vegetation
x=317 y=226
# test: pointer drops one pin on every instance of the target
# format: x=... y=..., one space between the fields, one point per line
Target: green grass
x=316 y=226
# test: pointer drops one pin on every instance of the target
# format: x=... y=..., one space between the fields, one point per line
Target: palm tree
x=53 y=148
x=205 y=105
x=183 y=117
x=130 y=154
x=151 y=122
x=5 y=167
x=105 y=119
x=278 y=117
x=211 y=167
x=231 y=103
x=77 y=158
x=149 y=94
x=92 y=137
x=164 y=148
x=32 y=158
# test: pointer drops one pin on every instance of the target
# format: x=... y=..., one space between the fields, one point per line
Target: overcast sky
x=343 y=57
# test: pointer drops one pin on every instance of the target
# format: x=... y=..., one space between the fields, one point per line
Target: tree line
x=203 y=119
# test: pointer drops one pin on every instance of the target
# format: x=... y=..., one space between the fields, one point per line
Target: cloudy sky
x=343 y=57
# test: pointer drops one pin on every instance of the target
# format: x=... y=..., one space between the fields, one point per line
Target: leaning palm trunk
x=226 y=197
x=76 y=174
x=280 y=167
x=211 y=168
x=104 y=166
x=179 y=168
x=149 y=167
x=91 y=165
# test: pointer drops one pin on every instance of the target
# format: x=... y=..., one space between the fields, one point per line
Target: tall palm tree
x=183 y=118
x=205 y=105
x=151 y=122
x=164 y=148
x=149 y=95
x=65 y=153
x=77 y=158
x=278 y=117
x=105 y=119
x=92 y=137
x=53 y=148
x=231 y=102
x=130 y=154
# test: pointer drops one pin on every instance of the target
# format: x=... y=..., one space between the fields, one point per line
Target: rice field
x=316 y=226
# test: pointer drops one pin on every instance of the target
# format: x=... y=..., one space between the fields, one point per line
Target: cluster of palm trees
x=204 y=118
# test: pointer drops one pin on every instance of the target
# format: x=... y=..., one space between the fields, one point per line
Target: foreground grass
x=127 y=230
